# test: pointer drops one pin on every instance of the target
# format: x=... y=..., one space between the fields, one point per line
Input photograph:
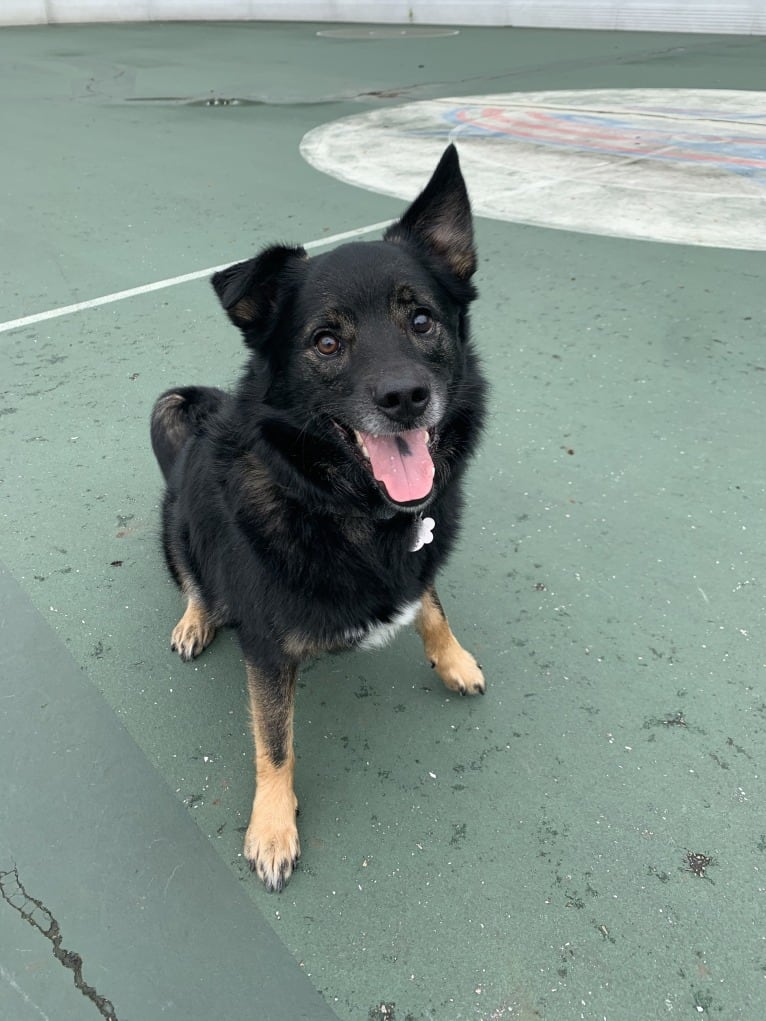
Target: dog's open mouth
x=401 y=463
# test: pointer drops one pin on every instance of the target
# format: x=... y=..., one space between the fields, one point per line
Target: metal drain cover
x=196 y=101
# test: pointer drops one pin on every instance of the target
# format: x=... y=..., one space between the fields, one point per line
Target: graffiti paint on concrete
x=673 y=165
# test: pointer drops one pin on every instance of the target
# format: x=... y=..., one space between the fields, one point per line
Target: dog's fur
x=274 y=521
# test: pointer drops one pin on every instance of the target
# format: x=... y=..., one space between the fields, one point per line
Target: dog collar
x=424 y=533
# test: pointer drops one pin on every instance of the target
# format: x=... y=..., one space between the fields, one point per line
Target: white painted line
x=80 y=306
x=158 y=285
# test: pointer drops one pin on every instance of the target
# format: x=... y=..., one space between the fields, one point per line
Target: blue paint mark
x=729 y=152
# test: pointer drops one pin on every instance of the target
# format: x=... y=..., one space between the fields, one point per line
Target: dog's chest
x=379 y=633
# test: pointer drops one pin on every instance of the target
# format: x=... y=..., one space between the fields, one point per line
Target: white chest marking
x=377 y=635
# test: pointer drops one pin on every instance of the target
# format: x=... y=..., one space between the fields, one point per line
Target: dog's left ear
x=440 y=218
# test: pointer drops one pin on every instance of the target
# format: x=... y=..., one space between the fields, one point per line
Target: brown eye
x=327 y=345
x=422 y=321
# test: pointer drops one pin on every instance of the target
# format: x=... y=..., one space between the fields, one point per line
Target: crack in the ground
x=39 y=917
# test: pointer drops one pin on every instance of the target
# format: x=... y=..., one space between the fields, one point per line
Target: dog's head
x=365 y=347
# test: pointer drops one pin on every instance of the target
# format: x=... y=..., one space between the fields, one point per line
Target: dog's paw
x=191 y=634
x=272 y=852
x=459 y=671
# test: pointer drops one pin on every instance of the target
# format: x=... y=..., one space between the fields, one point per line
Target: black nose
x=403 y=400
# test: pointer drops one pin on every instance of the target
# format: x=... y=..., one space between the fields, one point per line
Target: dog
x=311 y=508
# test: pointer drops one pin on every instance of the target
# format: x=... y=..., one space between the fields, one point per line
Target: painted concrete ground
x=585 y=842
x=680 y=165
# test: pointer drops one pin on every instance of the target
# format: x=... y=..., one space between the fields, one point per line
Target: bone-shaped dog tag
x=424 y=533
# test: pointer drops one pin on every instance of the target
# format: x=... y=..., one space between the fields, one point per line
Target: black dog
x=294 y=506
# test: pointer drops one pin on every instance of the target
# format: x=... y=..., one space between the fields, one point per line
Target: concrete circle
x=676 y=165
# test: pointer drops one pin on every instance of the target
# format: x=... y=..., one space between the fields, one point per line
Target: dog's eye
x=327 y=345
x=422 y=321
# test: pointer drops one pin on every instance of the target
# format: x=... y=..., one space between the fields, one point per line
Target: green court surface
x=586 y=842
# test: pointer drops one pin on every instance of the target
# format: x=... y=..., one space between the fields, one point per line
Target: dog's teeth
x=427 y=436
x=361 y=444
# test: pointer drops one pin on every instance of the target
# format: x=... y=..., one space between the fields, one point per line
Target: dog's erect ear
x=440 y=218
x=248 y=290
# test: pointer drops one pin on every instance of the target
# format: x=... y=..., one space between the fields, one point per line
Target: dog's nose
x=403 y=400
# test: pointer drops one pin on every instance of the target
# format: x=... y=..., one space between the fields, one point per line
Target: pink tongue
x=402 y=463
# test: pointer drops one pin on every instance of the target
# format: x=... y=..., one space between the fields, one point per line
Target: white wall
x=744 y=17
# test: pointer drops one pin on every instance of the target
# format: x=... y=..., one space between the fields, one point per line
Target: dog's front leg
x=271 y=841
x=456 y=667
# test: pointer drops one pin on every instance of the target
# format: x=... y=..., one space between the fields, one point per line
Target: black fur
x=272 y=519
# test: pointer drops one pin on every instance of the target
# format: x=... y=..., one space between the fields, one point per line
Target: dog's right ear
x=249 y=290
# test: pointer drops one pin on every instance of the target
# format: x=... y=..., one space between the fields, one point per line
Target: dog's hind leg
x=175 y=417
x=456 y=667
x=272 y=847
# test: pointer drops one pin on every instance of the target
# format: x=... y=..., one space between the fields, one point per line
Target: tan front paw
x=460 y=671
x=272 y=851
x=191 y=634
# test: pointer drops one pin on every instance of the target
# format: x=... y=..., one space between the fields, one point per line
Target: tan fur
x=193 y=632
x=271 y=846
x=456 y=667
x=261 y=489
x=298 y=647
